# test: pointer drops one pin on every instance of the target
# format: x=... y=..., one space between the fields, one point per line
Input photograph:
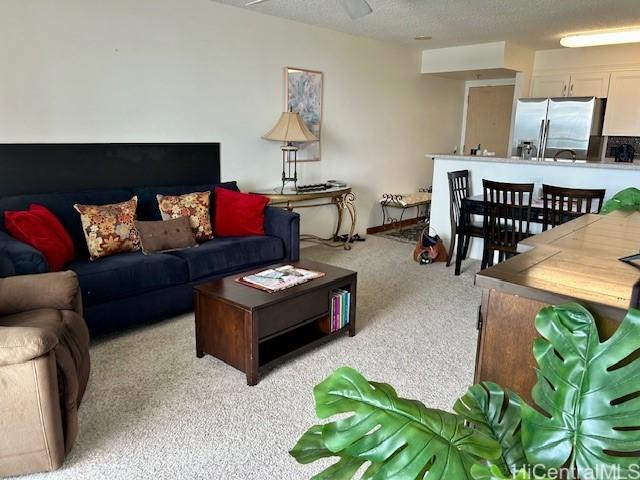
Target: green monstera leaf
x=589 y=391
x=496 y=413
x=627 y=200
x=484 y=472
x=402 y=438
x=311 y=447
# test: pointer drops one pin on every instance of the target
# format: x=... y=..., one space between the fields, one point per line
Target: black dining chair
x=507 y=216
x=458 y=191
x=561 y=204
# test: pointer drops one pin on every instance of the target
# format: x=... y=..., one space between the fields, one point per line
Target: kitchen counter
x=561 y=162
x=608 y=175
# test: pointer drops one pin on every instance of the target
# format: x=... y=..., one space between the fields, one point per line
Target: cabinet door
x=622 y=117
x=550 y=85
x=594 y=84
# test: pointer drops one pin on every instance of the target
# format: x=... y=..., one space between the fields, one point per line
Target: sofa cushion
x=40 y=228
x=61 y=204
x=222 y=255
x=110 y=229
x=239 y=214
x=164 y=236
x=148 y=204
x=194 y=206
x=127 y=274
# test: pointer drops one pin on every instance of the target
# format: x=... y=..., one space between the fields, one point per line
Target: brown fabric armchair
x=44 y=368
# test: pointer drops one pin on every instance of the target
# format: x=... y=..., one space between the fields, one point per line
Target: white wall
x=196 y=70
x=481 y=56
x=609 y=57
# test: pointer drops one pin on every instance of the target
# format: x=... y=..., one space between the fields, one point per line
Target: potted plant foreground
x=585 y=423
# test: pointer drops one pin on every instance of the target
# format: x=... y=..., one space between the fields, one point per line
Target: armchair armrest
x=18 y=258
x=285 y=225
x=59 y=290
x=21 y=344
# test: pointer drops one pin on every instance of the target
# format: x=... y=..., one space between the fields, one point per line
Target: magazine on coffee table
x=281 y=278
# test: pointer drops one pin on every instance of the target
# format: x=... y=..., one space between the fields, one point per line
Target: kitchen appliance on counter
x=625 y=153
x=554 y=126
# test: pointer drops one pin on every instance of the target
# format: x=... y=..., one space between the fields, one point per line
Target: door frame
x=498 y=82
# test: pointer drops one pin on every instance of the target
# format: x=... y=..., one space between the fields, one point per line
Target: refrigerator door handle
x=545 y=137
x=540 y=139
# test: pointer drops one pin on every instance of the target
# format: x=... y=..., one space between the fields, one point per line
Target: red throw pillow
x=42 y=230
x=239 y=214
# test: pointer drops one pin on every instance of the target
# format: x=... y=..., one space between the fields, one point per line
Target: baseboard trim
x=392 y=226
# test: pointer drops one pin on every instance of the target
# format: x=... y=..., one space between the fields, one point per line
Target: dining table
x=588 y=260
x=474 y=205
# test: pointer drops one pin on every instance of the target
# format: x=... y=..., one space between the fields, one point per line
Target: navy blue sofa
x=128 y=289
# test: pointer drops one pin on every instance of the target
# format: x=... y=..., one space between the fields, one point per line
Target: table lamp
x=290 y=128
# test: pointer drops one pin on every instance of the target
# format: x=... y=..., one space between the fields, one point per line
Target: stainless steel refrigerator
x=565 y=127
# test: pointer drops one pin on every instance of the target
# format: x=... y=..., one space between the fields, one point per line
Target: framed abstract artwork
x=303 y=94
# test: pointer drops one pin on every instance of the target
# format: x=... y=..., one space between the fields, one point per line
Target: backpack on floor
x=429 y=248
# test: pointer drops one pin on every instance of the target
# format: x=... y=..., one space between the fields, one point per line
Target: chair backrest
x=458 y=190
x=564 y=204
x=507 y=214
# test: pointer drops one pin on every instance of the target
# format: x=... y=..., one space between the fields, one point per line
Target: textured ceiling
x=537 y=24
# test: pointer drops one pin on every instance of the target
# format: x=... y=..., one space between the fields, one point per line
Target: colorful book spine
x=340 y=309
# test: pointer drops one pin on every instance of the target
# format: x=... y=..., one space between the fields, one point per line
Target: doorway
x=488 y=119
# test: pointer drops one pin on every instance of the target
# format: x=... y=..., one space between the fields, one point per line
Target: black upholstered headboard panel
x=66 y=167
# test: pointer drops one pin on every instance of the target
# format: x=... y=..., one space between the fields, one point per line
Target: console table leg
x=340 y=207
x=351 y=208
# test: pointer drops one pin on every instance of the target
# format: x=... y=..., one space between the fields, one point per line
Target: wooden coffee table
x=248 y=328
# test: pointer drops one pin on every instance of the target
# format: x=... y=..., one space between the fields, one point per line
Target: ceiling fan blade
x=356 y=8
x=254 y=2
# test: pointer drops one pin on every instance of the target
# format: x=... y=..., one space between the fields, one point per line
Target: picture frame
x=303 y=94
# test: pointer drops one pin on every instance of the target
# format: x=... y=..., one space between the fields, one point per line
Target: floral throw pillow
x=193 y=205
x=109 y=229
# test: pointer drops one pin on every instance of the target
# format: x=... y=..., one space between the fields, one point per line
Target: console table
x=340 y=198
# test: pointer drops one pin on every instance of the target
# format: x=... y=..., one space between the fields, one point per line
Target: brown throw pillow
x=195 y=206
x=166 y=235
x=109 y=229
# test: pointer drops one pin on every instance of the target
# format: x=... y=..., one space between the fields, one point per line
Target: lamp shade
x=290 y=128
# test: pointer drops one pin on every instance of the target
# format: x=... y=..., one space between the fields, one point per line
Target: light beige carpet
x=154 y=410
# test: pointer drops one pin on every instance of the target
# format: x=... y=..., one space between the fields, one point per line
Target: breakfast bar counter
x=608 y=175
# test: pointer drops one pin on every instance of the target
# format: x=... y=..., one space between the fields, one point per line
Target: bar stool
x=507 y=215
x=563 y=204
x=458 y=191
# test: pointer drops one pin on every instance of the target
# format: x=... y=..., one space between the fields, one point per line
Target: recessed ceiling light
x=605 y=37
x=423 y=37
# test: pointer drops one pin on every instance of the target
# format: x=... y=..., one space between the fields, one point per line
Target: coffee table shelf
x=294 y=342
x=248 y=328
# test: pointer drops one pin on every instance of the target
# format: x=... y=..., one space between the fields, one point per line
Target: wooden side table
x=249 y=328
x=340 y=198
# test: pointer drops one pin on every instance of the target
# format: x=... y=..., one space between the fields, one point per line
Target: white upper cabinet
x=550 y=85
x=594 y=84
x=590 y=84
x=622 y=117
